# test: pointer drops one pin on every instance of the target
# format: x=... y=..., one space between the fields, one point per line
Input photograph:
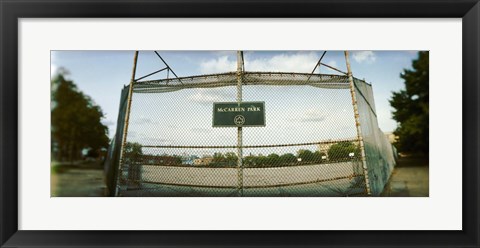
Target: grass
x=61 y=167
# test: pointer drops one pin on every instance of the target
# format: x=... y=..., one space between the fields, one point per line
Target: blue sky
x=102 y=74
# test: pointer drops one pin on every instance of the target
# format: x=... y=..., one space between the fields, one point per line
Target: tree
x=177 y=160
x=249 y=161
x=218 y=157
x=132 y=157
x=308 y=156
x=288 y=158
x=273 y=159
x=231 y=158
x=260 y=160
x=132 y=152
x=411 y=107
x=305 y=155
x=317 y=156
x=341 y=151
x=75 y=121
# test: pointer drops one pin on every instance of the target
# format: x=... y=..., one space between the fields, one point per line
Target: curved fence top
x=327 y=81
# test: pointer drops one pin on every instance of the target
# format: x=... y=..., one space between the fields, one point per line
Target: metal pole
x=127 y=117
x=357 y=123
x=239 y=130
x=318 y=63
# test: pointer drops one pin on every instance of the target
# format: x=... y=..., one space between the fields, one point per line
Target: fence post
x=239 y=129
x=125 y=127
x=357 y=123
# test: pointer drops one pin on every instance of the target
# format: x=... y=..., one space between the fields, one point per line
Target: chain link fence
x=379 y=153
x=308 y=147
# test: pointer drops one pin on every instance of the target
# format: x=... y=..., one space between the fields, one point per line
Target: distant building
x=188 y=159
x=203 y=161
x=160 y=160
x=391 y=137
x=323 y=148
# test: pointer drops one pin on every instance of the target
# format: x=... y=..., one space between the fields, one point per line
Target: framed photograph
x=246 y=124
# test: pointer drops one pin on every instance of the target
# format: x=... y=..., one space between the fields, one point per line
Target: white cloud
x=207 y=96
x=142 y=121
x=53 y=70
x=296 y=62
x=53 y=63
x=218 y=65
x=364 y=56
x=311 y=115
x=159 y=141
x=200 y=130
x=225 y=53
x=331 y=63
x=108 y=122
x=132 y=134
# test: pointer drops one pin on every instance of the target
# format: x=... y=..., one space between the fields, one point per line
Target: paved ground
x=336 y=188
x=80 y=180
x=409 y=178
x=252 y=177
x=335 y=179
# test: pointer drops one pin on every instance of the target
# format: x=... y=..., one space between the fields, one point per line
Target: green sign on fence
x=233 y=114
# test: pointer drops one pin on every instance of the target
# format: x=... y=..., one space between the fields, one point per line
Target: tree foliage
x=288 y=158
x=75 y=121
x=411 y=107
x=132 y=152
x=218 y=157
x=342 y=150
x=305 y=155
x=231 y=158
x=227 y=159
x=318 y=156
x=273 y=159
x=308 y=156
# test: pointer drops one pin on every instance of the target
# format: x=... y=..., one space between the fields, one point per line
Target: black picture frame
x=11 y=11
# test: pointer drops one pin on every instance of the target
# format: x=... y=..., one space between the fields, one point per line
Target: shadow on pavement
x=410 y=178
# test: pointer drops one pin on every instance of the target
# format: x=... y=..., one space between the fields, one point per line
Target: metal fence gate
x=321 y=137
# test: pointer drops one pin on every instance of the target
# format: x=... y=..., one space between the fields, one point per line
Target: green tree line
x=341 y=151
x=75 y=122
x=411 y=108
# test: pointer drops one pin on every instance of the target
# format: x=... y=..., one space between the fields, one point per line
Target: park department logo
x=239 y=120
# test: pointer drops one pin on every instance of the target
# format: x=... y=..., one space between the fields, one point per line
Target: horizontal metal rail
x=260 y=186
x=247 y=73
x=253 y=146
